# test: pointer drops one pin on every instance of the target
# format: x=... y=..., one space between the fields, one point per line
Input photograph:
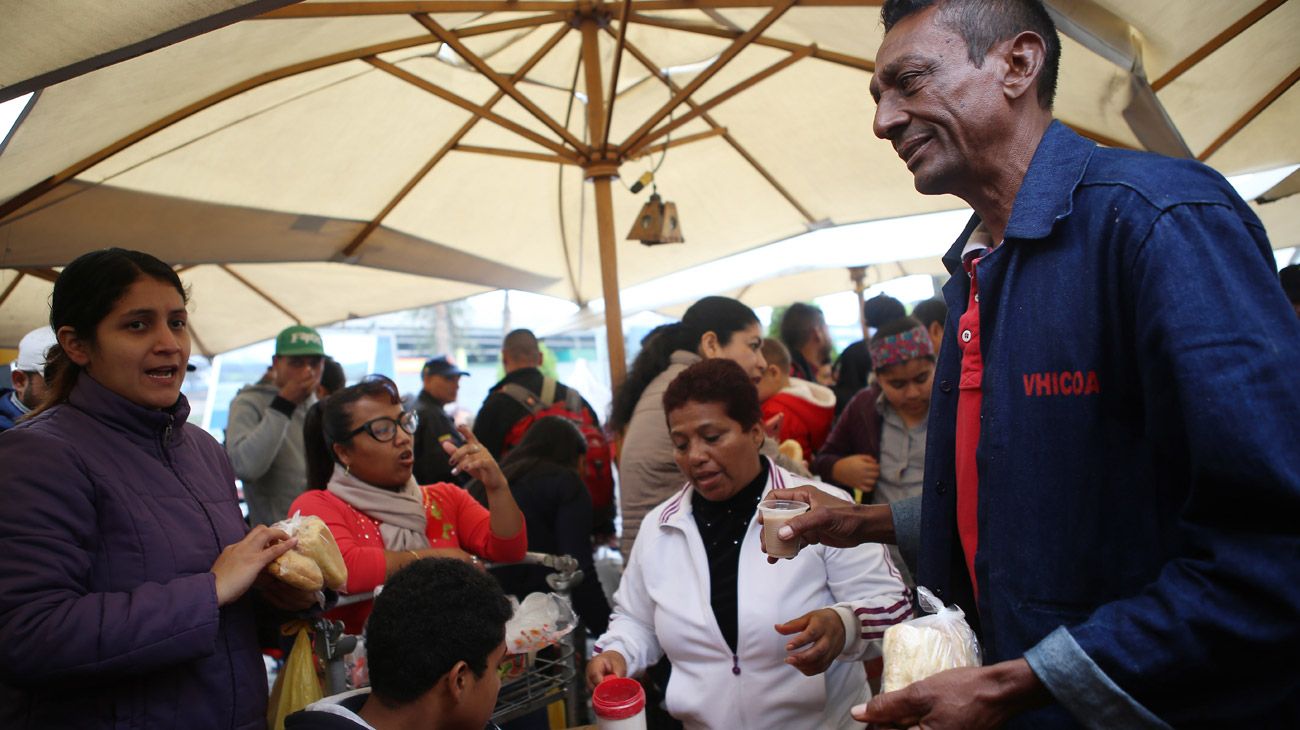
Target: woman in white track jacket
x=699 y=588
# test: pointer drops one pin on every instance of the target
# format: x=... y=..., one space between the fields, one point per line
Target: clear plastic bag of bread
x=925 y=646
x=315 y=562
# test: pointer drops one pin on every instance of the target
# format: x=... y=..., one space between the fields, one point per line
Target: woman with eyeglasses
x=359 y=460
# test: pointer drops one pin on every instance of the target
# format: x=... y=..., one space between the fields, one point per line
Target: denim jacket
x=1139 y=476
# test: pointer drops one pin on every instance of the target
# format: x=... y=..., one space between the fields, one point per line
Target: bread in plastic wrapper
x=921 y=647
x=540 y=621
x=315 y=562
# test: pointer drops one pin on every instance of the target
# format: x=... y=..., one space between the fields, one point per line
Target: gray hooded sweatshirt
x=265 y=446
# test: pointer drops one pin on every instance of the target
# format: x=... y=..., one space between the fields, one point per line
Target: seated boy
x=807 y=408
x=434 y=642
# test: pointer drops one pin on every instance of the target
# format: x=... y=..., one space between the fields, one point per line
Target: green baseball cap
x=299 y=340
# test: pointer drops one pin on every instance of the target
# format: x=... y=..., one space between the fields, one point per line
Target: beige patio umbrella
x=399 y=133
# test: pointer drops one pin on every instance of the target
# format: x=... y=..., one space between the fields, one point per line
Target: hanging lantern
x=657 y=223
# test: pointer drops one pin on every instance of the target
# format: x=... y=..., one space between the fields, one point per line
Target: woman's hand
x=475 y=460
x=605 y=664
x=823 y=630
x=240 y=563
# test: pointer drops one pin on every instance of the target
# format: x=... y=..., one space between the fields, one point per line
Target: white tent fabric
x=367 y=133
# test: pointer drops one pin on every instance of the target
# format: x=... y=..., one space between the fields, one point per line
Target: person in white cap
x=28 y=380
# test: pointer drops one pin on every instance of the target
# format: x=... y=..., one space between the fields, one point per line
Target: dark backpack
x=599 y=474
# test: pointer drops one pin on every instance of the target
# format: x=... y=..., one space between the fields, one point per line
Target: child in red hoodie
x=807 y=408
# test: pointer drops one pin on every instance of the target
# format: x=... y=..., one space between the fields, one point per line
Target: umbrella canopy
x=479 y=141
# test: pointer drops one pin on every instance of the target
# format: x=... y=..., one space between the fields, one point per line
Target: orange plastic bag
x=297 y=686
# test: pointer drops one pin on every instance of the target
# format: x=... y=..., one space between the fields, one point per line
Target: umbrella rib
x=49 y=275
x=842 y=59
x=516 y=154
x=1098 y=137
x=1250 y=116
x=744 y=85
x=659 y=74
x=356 y=243
x=655 y=149
x=271 y=300
x=1217 y=42
x=12 y=285
x=501 y=82
x=703 y=77
x=612 y=97
x=469 y=106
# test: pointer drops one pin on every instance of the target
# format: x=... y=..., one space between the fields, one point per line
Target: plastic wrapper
x=925 y=646
x=297 y=685
x=542 y=620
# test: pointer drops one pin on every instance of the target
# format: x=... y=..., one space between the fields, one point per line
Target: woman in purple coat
x=124 y=560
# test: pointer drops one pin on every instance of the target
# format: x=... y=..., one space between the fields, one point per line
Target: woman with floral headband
x=878 y=444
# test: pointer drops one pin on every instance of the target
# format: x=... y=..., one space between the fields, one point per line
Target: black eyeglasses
x=384 y=428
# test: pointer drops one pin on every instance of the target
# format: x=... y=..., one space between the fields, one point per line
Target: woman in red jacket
x=359 y=459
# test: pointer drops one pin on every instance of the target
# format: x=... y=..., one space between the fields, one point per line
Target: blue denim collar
x=1047 y=193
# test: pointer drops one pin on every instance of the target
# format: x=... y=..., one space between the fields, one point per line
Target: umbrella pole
x=600 y=171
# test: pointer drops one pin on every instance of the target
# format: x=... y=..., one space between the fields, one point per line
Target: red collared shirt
x=969 y=400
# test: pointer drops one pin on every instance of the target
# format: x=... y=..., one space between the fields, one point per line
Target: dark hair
x=882 y=308
x=329 y=420
x=85 y=292
x=1290 y=278
x=716 y=381
x=432 y=614
x=798 y=324
x=332 y=377
x=521 y=344
x=720 y=315
x=931 y=311
x=981 y=23
x=551 y=442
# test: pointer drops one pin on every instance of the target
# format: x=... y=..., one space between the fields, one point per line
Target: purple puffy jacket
x=112 y=516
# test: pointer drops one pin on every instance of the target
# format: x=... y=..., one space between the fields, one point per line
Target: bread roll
x=791 y=449
x=316 y=542
x=913 y=651
x=315 y=562
x=297 y=570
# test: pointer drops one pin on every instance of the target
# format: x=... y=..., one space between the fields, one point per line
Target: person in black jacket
x=441 y=385
x=521 y=357
x=544 y=473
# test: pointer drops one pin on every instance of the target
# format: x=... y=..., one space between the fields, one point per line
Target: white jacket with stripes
x=662 y=606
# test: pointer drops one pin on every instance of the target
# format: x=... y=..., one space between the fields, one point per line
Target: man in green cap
x=264 y=433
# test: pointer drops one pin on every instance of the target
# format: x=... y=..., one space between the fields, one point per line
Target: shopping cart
x=553 y=676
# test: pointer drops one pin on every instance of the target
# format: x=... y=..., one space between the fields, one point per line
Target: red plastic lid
x=618 y=698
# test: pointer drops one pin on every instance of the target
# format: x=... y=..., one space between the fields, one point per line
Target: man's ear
x=77 y=349
x=458 y=681
x=1023 y=57
x=709 y=346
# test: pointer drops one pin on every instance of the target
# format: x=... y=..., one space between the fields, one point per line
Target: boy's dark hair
x=798 y=324
x=1290 y=278
x=776 y=353
x=882 y=309
x=981 y=23
x=431 y=614
x=931 y=311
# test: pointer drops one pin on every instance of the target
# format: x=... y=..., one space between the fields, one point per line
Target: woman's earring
x=347 y=469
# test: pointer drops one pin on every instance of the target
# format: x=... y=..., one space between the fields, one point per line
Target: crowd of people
x=1087 y=444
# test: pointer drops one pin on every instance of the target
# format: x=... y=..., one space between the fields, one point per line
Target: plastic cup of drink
x=777 y=512
x=619 y=704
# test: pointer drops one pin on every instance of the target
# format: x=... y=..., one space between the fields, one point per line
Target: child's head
x=903 y=359
x=437 y=634
x=776 y=376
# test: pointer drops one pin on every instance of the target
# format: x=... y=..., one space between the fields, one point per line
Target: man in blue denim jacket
x=1112 y=483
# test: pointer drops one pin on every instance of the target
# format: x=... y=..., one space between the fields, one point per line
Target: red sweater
x=809 y=409
x=455 y=521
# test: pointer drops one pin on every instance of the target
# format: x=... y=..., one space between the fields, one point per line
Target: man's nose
x=890 y=119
